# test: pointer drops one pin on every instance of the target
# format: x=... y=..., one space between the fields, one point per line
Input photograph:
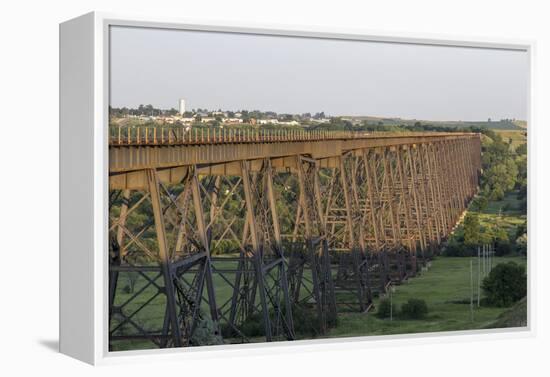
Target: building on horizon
x=181 y=106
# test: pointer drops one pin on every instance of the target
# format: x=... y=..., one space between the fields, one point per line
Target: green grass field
x=446 y=289
x=515 y=137
x=506 y=213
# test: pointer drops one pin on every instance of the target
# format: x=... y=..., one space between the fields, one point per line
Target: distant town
x=149 y=115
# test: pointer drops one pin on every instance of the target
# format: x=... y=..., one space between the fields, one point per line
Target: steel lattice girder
x=176 y=251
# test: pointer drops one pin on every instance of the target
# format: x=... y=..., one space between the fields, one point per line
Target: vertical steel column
x=403 y=231
x=364 y=266
x=310 y=202
x=184 y=203
x=414 y=192
x=430 y=223
x=118 y=249
x=452 y=184
x=466 y=162
x=433 y=169
x=206 y=264
x=405 y=199
x=374 y=205
x=395 y=228
x=153 y=183
x=468 y=149
x=459 y=160
x=279 y=250
x=407 y=209
x=354 y=245
x=377 y=215
x=256 y=247
x=122 y=219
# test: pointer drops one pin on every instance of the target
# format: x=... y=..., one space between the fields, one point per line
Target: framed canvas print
x=231 y=187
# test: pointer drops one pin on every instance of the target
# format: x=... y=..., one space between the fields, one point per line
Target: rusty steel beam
x=126 y=158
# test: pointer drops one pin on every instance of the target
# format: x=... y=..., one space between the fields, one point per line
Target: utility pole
x=471 y=291
x=391 y=303
x=492 y=256
x=483 y=253
x=478 y=276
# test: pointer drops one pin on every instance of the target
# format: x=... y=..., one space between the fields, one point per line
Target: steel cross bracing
x=240 y=248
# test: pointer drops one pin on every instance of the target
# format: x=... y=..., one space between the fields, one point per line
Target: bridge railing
x=135 y=135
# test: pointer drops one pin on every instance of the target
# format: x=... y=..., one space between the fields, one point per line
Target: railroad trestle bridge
x=239 y=232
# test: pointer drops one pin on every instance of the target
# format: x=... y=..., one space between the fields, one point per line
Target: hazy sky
x=297 y=75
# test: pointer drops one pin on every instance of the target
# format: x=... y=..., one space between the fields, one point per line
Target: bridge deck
x=138 y=153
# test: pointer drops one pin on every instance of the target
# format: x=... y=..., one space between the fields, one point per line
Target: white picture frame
x=84 y=99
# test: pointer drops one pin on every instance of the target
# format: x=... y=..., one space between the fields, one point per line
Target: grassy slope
x=495 y=125
x=505 y=213
x=447 y=282
x=516 y=316
x=521 y=123
x=517 y=137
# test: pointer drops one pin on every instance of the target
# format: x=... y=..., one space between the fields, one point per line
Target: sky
x=296 y=75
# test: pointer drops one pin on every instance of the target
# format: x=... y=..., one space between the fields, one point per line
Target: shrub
x=521 y=244
x=206 y=333
x=480 y=203
x=502 y=248
x=386 y=308
x=305 y=321
x=414 y=309
x=521 y=149
x=254 y=326
x=456 y=249
x=521 y=229
x=471 y=229
x=506 y=284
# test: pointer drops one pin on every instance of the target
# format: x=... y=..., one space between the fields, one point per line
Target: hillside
x=516 y=316
x=504 y=124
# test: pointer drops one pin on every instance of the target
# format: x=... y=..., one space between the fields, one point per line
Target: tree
x=521 y=244
x=506 y=284
x=472 y=229
x=521 y=149
x=480 y=203
x=500 y=178
x=521 y=183
x=521 y=229
x=172 y=112
x=488 y=235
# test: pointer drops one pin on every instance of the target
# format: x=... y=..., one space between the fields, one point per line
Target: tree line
x=504 y=170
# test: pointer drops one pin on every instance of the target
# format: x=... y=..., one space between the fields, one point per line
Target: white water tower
x=181 y=106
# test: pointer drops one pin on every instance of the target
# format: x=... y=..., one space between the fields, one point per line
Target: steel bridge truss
x=224 y=248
